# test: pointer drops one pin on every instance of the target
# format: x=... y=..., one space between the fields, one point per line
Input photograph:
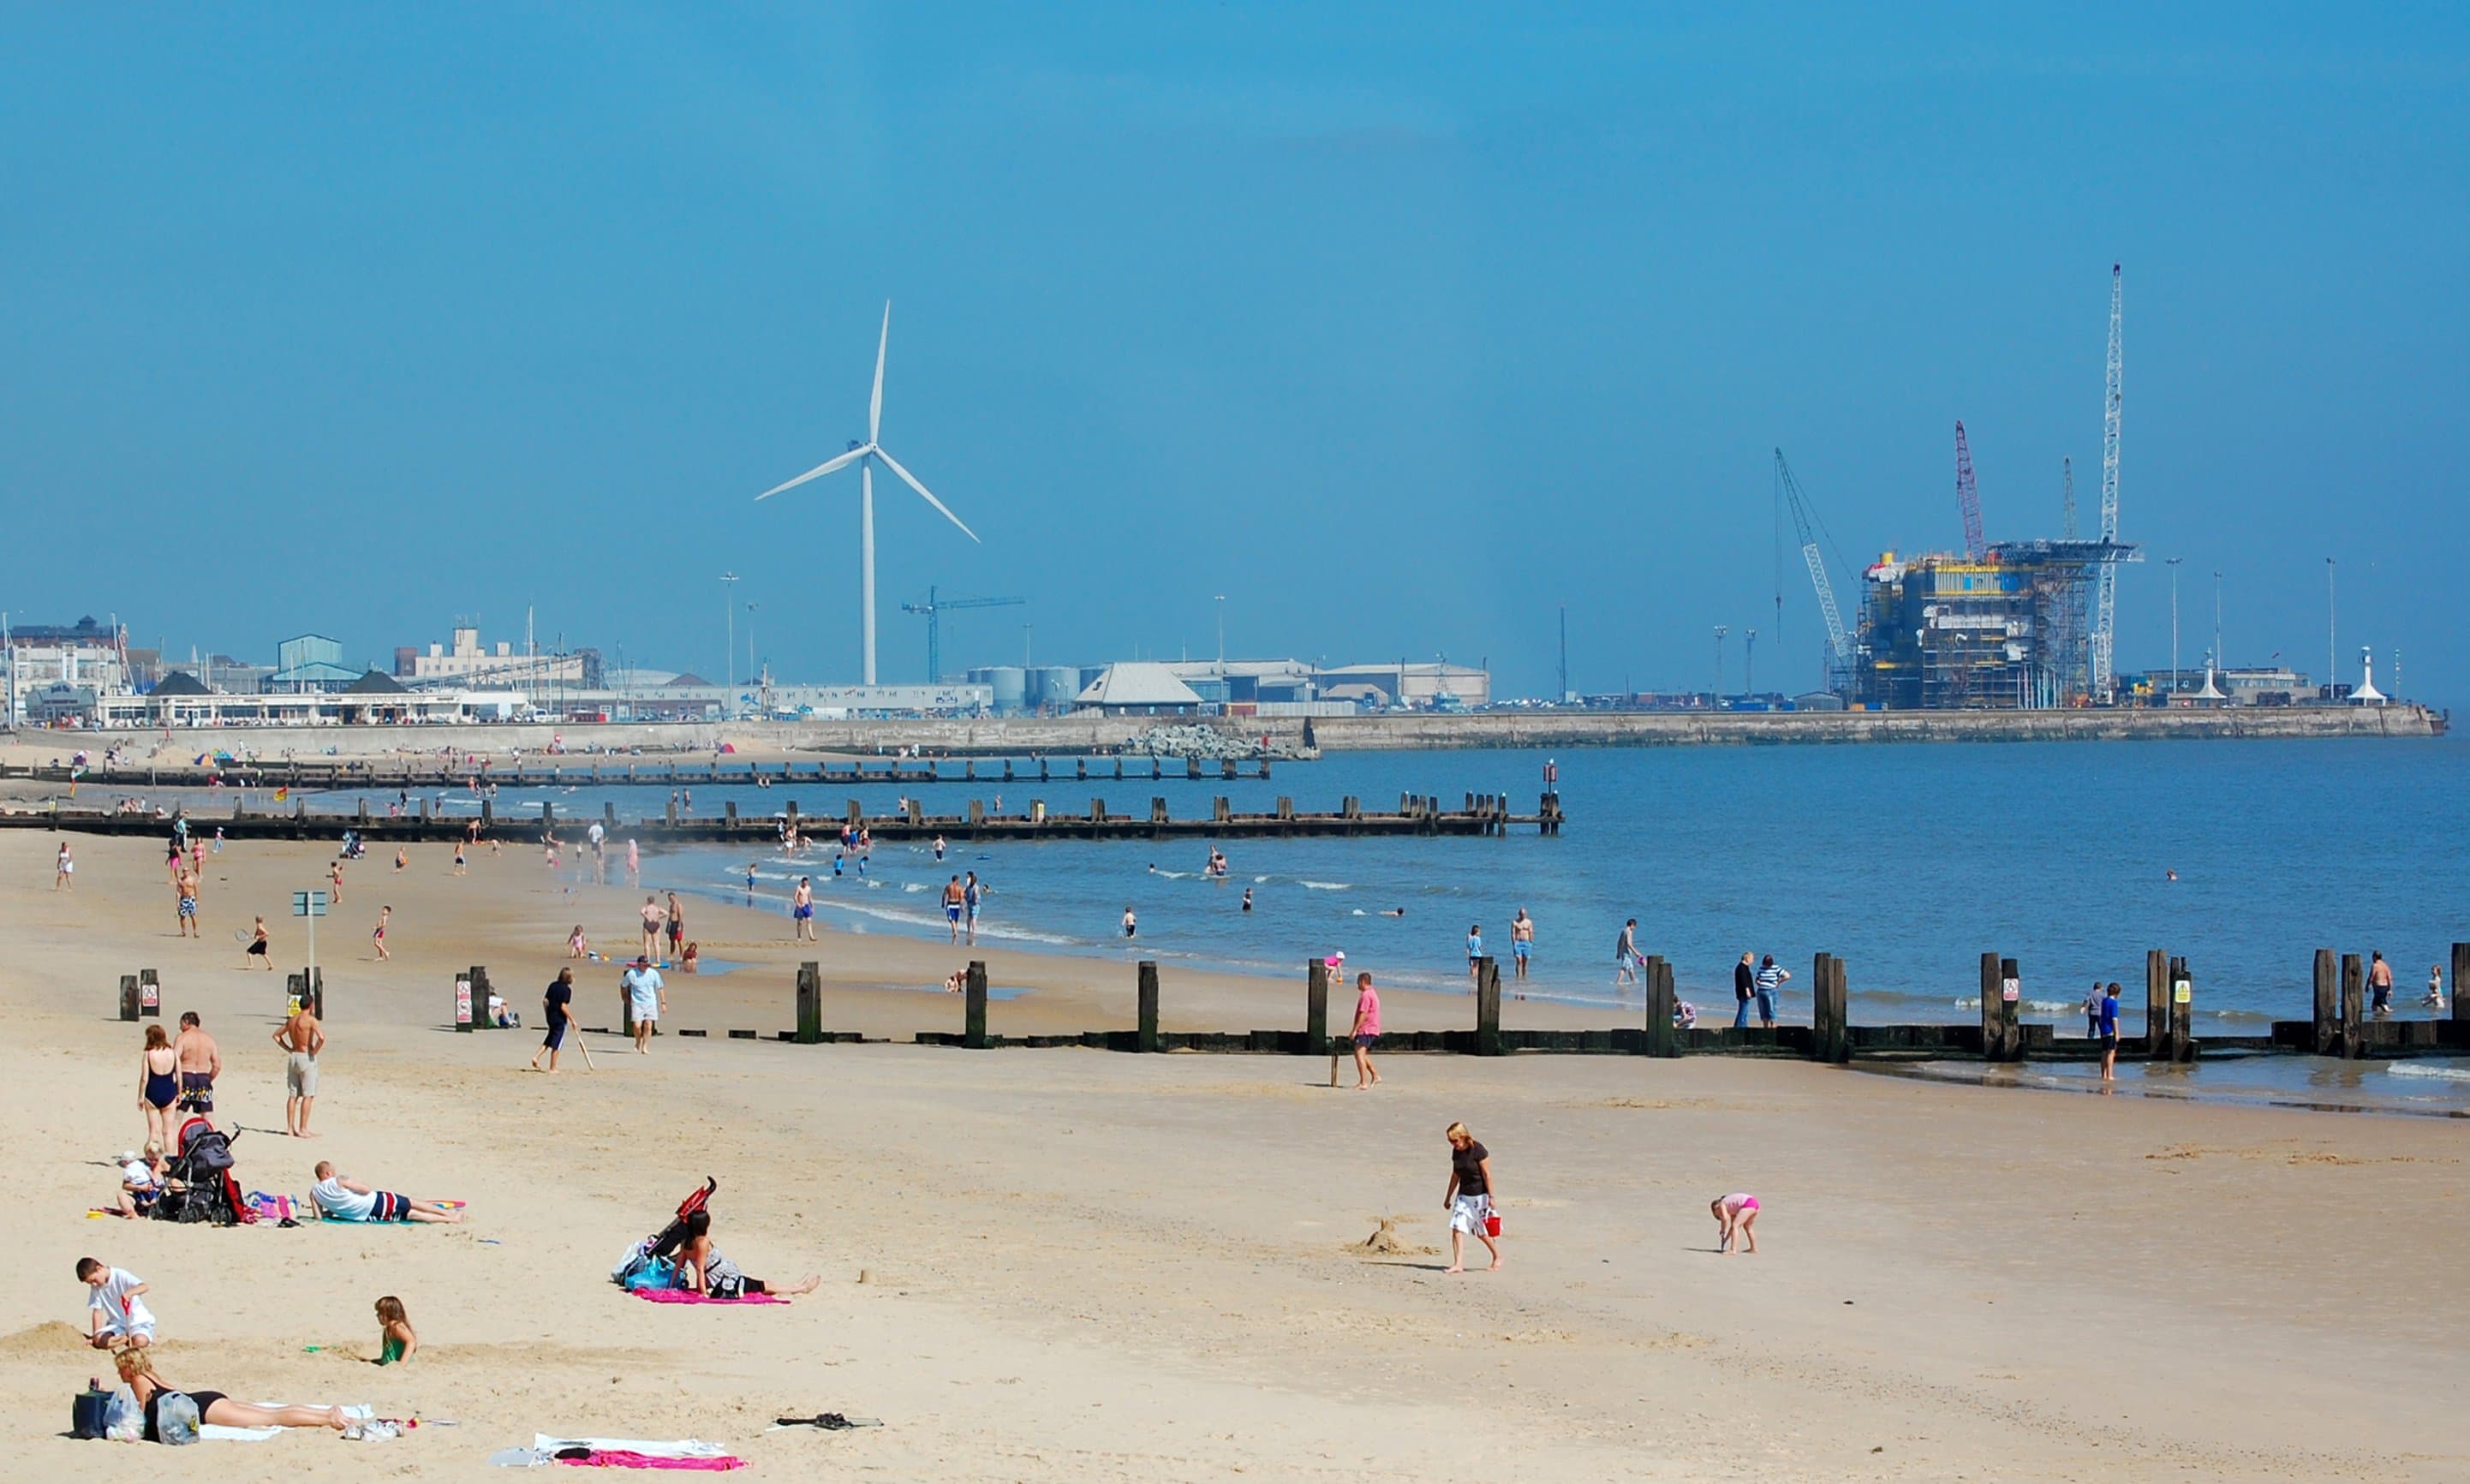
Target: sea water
x=1908 y=862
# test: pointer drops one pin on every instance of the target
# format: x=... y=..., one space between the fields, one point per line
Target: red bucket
x=1492 y=1224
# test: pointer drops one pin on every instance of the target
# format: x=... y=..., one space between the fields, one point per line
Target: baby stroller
x=647 y=1262
x=202 y=1187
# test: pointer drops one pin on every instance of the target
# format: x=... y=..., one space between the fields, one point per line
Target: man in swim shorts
x=801 y=909
x=185 y=883
x=201 y=1061
x=301 y=1038
x=339 y=1197
x=1521 y=939
x=645 y=1001
x=953 y=903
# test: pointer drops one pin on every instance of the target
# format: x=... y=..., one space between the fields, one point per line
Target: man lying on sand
x=342 y=1198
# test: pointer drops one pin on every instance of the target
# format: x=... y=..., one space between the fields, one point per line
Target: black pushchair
x=203 y=1186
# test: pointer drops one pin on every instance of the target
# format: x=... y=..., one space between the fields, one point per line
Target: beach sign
x=463 y=1005
x=2183 y=992
x=308 y=904
x=2011 y=991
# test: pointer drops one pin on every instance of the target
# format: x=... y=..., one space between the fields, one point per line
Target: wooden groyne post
x=1662 y=1038
x=810 y=1003
x=1830 y=1013
x=2327 y=1041
x=2182 y=1012
x=973 y=1013
x=129 y=997
x=2156 y=1004
x=2461 y=966
x=1317 y=1008
x=1146 y=1038
x=2354 y=993
x=1487 y=1007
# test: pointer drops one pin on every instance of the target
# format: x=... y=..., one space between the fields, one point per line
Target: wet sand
x=1078 y=1265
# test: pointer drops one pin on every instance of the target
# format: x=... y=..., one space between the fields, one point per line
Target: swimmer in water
x=1247 y=898
x=1394 y=912
x=1132 y=924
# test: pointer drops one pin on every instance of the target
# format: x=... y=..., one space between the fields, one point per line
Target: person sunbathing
x=137 y=1373
x=702 y=1270
x=339 y=1197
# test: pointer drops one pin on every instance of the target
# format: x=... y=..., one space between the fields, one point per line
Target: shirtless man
x=185 y=883
x=651 y=925
x=802 y=910
x=201 y=1062
x=1521 y=939
x=953 y=901
x=301 y=1038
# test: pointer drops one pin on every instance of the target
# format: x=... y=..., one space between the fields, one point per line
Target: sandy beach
x=1070 y=1264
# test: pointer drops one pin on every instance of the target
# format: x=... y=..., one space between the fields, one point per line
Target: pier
x=432 y=773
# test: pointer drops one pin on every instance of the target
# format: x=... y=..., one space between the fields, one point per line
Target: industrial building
x=2001 y=630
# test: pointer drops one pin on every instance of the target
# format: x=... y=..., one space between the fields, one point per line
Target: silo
x=1055 y=687
x=1010 y=684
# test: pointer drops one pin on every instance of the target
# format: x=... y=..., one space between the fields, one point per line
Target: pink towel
x=621 y=1458
x=688 y=1296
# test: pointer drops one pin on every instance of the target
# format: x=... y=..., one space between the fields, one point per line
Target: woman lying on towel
x=702 y=1270
x=137 y=1372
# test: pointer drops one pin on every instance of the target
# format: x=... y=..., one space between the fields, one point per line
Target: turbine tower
x=2105 y=683
x=863 y=455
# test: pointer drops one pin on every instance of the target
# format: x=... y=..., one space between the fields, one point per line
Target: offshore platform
x=2021 y=625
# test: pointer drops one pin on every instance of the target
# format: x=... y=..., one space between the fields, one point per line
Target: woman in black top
x=137 y=1372
x=554 y=1003
x=1469 y=1200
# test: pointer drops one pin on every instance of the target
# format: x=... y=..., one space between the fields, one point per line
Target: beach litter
x=828 y=1422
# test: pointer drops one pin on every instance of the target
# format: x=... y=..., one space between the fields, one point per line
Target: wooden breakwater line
x=1480 y=814
x=432 y=773
x=2341 y=1026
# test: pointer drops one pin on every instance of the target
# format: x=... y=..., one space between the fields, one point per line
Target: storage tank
x=1055 y=687
x=1010 y=684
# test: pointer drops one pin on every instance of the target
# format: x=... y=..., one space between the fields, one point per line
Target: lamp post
x=729 y=649
x=2332 y=633
x=753 y=671
x=1221 y=601
x=1720 y=631
x=2216 y=622
x=2173 y=565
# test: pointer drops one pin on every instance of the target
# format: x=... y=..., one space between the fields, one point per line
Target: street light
x=2173 y=565
x=1720 y=631
x=728 y=650
x=2331 y=631
x=1221 y=601
x=753 y=671
x=2216 y=622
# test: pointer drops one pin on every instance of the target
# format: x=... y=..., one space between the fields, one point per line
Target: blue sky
x=1401 y=327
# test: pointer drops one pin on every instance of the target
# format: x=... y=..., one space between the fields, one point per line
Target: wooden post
x=1147 y=1039
x=1487 y=1007
x=2354 y=992
x=1662 y=1038
x=2328 y=1005
x=973 y=1022
x=129 y=997
x=2010 y=1003
x=1819 y=1006
x=1839 y=1013
x=810 y=1003
x=2460 y=967
x=2182 y=1012
x=1993 y=1039
x=2156 y=1004
x=1315 y=1006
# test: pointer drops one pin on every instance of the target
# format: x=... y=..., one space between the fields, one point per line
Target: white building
x=465 y=660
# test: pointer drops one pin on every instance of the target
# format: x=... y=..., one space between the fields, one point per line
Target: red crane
x=1968 y=499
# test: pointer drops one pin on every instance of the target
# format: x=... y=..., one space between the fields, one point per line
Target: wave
x=2422 y=1069
x=1326 y=886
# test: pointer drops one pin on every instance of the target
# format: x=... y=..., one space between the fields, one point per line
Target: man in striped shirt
x=1768 y=980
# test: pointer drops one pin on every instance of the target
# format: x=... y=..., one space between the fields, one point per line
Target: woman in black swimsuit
x=137 y=1372
x=159 y=1086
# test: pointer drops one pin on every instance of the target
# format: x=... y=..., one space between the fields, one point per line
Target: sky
x=1400 y=327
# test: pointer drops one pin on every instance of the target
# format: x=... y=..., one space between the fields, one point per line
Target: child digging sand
x=1735 y=1214
x=395 y=1341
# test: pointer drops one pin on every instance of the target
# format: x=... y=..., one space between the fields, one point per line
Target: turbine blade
x=818 y=472
x=911 y=480
x=874 y=409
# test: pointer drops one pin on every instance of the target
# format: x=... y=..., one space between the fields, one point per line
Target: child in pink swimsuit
x=1735 y=1215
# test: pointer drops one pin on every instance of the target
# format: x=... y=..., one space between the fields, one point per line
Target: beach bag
x=176 y=1417
x=89 y=1415
x=655 y=1273
x=123 y=1421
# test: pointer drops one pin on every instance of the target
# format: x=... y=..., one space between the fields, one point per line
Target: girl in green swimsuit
x=395 y=1340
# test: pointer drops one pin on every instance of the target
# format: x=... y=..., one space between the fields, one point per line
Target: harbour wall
x=1070 y=735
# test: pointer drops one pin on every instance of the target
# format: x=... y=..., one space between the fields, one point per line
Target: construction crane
x=2067 y=487
x=1838 y=642
x=2105 y=683
x=1968 y=499
x=934 y=608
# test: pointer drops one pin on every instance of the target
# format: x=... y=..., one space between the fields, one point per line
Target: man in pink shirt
x=1367 y=1030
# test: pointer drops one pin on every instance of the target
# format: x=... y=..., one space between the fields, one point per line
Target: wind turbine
x=864 y=455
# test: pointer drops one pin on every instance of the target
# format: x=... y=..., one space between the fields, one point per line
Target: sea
x=1907 y=862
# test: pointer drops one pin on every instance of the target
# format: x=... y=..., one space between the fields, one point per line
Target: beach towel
x=274 y=1208
x=689 y=1296
x=545 y=1449
x=625 y=1458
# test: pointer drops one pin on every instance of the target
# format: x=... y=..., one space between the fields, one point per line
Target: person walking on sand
x=2107 y=1026
x=651 y=925
x=802 y=910
x=577 y=946
x=1768 y=980
x=158 y=1084
x=334 y=881
x=952 y=907
x=185 y=884
x=377 y=934
x=1475 y=952
x=971 y=890
x=301 y=1038
x=2380 y=984
x=2092 y=1012
x=261 y=946
x=634 y=864
x=1521 y=939
x=1735 y=1216
x=461 y=866
x=200 y=1061
x=676 y=922
x=1367 y=1031
x=64 y=869
x=1745 y=983
x=1469 y=1197
x=554 y=1003
x=646 y=1000
x=1626 y=962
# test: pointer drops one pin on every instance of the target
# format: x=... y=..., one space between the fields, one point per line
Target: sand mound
x=51 y=1338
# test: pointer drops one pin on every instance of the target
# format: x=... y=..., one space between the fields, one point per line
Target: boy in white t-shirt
x=114 y=1311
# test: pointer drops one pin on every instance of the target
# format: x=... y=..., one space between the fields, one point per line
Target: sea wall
x=1070 y=735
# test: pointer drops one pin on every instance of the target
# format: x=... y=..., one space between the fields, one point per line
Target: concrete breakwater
x=1067 y=736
